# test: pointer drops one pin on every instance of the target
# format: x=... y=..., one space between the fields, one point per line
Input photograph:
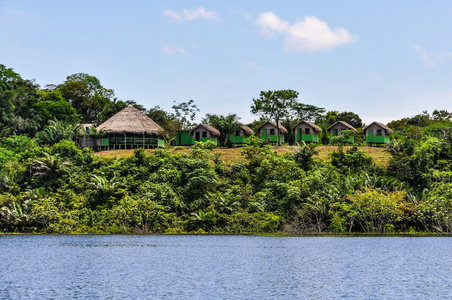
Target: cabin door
x=371 y=133
x=197 y=136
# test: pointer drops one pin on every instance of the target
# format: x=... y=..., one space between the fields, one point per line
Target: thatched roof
x=389 y=130
x=212 y=130
x=316 y=128
x=345 y=124
x=248 y=131
x=282 y=129
x=131 y=120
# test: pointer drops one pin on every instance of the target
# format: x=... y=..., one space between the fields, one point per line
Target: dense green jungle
x=48 y=184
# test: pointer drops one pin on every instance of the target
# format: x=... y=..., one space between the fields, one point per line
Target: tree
x=86 y=95
x=57 y=131
x=275 y=105
x=186 y=113
x=53 y=106
x=17 y=99
x=227 y=125
x=441 y=115
x=351 y=118
x=308 y=112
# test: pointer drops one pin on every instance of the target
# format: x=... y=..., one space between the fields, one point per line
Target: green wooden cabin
x=338 y=127
x=377 y=134
x=183 y=138
x=204 y=133
x=307 y=132
x=242 y=135
x=268 y=132
x=130 y=129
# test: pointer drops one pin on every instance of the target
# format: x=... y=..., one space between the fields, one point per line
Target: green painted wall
x=133 y=141
x=306 y=137
x=239 y=139
x=183 y=138
x=377 y=139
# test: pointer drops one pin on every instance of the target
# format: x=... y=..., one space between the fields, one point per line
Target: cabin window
x=204 y=134
x=307 y=131
x=272 y=131
x=378 y=132
x=237 y=133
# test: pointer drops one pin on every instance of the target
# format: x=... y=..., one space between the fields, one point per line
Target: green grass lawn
x=232 y=155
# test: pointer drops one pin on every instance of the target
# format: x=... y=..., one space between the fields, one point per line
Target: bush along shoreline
x=67 y=190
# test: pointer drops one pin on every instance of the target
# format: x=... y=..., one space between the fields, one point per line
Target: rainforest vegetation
x=48 y=184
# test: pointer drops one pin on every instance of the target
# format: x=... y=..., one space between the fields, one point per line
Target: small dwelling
x=306 y=131
x=204 y=133
x=242 y=135
x=337 y=128
x=131 y=129
x=267 y=131
x=85 y=139
x=183 y=138
x=377 y=134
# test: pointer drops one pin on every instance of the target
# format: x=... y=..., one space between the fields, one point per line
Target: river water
x=224 y=267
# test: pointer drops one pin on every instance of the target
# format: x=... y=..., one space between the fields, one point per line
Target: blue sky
x=383 y=60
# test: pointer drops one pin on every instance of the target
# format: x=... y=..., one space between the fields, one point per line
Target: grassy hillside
x=380 y=156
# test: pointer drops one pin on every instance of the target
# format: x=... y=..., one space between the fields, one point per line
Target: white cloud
x=174 y=50
x=309 y=34
x=191 y=15
x=429 y=58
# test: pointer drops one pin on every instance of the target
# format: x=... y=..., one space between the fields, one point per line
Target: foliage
x=86 y=94
x=186 y=113
x=56 y=131
x=303 y=155
x=275 y=105
x=227 y=125
x=353 y=160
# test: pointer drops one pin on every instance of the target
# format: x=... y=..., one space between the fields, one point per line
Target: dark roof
x=344 y=124
x=282 y=129
x=389 y=130
x=212 y=130
x=316 y=128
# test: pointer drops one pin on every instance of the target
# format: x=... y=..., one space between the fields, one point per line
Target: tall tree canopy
x=333 y=116
x=17 y=99
x=308 y=112
x=275 y=105
x=86 y=95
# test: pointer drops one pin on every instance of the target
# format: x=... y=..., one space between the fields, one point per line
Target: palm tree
x=50 y=168
x=58 y=130
x=227 y=125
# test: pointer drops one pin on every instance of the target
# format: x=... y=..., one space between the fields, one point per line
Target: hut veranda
x=130 y=129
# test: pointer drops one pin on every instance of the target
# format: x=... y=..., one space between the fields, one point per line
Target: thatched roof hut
x=316 y=128
x=213 y=131
x=378 y=124
x=340 y=125
x=246 y=130
x=269 y=124
x=131 y=121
